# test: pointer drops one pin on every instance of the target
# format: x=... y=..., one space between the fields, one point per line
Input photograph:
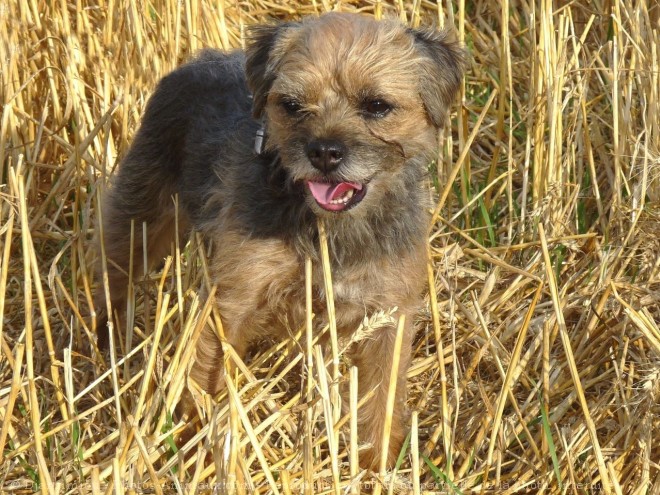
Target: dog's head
x=350 y=102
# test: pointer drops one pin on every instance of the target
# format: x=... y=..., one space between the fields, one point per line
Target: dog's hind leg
x=138 y=226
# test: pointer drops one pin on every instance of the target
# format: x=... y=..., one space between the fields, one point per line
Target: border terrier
x=333 y=118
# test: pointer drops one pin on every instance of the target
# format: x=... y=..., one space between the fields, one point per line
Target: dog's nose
x=325 y=154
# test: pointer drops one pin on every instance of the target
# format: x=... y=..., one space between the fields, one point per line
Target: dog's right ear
x=264 y=50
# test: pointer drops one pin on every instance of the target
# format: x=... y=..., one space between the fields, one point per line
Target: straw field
x=537 y=362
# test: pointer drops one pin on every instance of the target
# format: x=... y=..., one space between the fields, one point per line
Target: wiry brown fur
x=196 y=141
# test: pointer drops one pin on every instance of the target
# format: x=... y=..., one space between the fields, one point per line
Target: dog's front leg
x=208 y=368
x=374 y=359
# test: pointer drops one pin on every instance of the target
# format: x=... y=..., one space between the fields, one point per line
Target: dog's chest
x=262 y=283
x=360 y=289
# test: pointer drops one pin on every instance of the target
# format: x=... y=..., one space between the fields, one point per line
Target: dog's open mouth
x=337 y=196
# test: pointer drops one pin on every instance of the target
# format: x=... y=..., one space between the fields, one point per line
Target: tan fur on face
x=331 y=66
x=196 y=141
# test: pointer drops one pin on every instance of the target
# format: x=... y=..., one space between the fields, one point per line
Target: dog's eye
x=292 y=107
x=376 y=108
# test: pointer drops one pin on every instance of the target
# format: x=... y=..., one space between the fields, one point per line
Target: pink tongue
x=325 y=192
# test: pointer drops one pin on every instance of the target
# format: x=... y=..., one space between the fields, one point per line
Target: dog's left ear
x=441 y=70
x=262 y=55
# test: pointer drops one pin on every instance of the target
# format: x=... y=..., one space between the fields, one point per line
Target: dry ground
x=537 y=367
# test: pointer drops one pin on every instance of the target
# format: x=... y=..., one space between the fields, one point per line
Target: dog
x=332 y=119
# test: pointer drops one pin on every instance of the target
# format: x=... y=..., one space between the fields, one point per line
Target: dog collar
x=259 y=139
x=260 y=135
